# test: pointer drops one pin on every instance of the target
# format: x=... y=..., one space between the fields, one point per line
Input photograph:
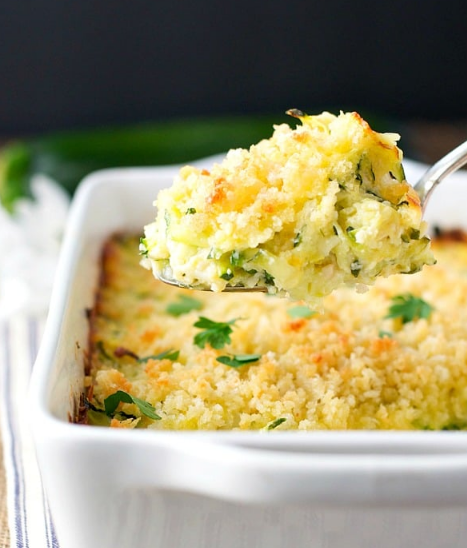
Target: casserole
x=110 y=487
x=299 y=214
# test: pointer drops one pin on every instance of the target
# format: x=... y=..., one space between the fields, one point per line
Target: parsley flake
x=408 y=308
x=238 y=359
x=276 y=423
x=217 y=334
x=184 y=305
x=165 y=355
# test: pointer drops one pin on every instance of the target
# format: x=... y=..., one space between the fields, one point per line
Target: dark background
x=67 y=64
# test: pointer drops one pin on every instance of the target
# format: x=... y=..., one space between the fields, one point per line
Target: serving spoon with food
x=373 y=228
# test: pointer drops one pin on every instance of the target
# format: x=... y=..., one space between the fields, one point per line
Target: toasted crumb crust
x=349 y=367
x=312 y=208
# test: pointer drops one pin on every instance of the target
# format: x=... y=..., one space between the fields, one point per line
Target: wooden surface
x=430 y=141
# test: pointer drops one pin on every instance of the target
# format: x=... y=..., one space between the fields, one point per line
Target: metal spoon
x=448 y=164
x=440 y=170
x=228 y=288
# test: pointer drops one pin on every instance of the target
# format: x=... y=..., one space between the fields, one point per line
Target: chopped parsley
x=301 y=311
x=112 y=402
x=166 y=355
x=238 y=359
x=217 y=334
x=408 y=308
x=190 y=211
x=183 y=305
x=274 y=424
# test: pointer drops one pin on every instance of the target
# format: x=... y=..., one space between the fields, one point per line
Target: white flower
x=30 y=240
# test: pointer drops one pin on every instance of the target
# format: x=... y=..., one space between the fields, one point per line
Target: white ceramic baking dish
x=112 y=488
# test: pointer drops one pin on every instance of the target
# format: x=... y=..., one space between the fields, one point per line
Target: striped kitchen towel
x=28 y=513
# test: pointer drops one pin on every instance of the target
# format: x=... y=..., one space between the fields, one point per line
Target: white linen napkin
x=29 y=246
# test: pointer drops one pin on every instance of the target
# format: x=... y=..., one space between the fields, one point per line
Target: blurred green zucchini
x=68 y=157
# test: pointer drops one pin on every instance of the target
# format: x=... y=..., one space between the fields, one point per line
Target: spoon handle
x=441 y=169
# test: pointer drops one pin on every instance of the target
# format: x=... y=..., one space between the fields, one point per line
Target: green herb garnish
x=166 y=355
x=112 y=402
x=184 y=305
x=217 y=334
x=238 y=359
x=408 y=308
x=190 y=211
x=276 y=423
x=301 y=311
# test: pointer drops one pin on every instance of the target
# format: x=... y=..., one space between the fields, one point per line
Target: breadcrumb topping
x=352 y=366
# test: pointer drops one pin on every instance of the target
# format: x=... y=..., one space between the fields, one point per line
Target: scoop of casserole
x=310 y=209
